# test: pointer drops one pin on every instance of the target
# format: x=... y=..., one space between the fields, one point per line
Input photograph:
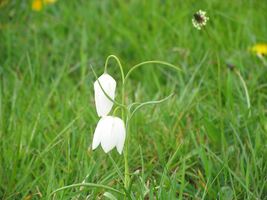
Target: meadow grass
x=203 y=143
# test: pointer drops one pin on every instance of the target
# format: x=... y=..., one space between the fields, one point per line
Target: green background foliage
x=203 y=143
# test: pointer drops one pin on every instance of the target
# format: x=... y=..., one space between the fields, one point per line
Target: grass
x=203 y=143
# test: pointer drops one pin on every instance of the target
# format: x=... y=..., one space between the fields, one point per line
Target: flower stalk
x=123 y=117
x=125 y=153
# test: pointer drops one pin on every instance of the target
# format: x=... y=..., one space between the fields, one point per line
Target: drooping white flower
x=103 y=103
x=110 y=132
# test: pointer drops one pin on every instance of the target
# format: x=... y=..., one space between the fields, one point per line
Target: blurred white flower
x=110 y=132
x=103 y=103
x=199 y=19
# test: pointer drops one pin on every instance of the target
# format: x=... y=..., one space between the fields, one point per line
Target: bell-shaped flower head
x=110 y=132
x=103 y=103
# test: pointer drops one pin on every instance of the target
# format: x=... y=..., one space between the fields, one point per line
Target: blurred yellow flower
x=259 y=49
x=37 y=5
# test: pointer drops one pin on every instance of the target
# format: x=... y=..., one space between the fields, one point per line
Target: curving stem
x=125 y=152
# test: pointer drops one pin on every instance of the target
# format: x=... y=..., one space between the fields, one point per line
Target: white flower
x=199 y=19
x=110 y=132
x=103 y=103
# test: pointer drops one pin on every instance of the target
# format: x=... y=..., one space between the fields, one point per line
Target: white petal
x=100 y=128
x=108 y=138
x=119 y=130
x=103 y=104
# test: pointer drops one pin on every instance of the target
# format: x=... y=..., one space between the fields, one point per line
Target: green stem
x=166 y=64
x=119 y=63
x=126 y=165
x=125 y=154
